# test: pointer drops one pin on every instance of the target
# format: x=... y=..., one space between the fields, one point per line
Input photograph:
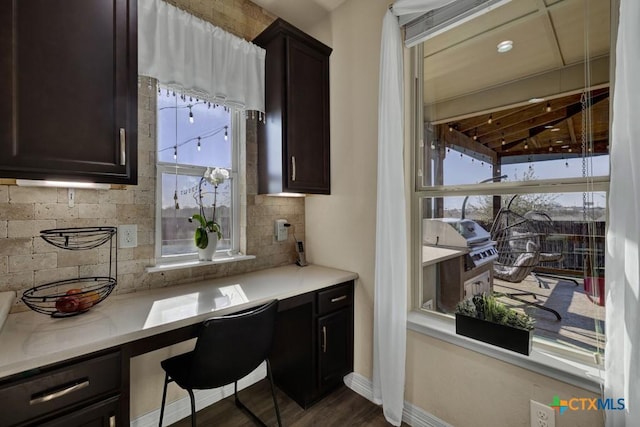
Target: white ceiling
x=300 y=13
x=548 y=35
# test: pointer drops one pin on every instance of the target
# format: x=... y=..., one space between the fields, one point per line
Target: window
x=194 y=135
x=514 y=164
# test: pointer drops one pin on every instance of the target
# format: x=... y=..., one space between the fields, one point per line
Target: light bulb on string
x=490 y=120
x=475 y=135
x=190 y=115
x=226 y=134
x=548 y=109
x=175 y=152
x=198 y=143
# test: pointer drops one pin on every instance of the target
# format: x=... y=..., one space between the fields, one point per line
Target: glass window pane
x=208 y=129
x=177 y=232
x=539 y=252
x=490 y=112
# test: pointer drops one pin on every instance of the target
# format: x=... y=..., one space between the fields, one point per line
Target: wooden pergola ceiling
x=533 y=130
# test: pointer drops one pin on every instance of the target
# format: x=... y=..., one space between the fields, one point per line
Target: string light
x=226 y=135
x=190 y=115
x=490 y=119
x=450 y=128
x=503 y=141
x=198 y=143
x=548 y=107
x=526 y=146
x=475 y=135
x=175 y=152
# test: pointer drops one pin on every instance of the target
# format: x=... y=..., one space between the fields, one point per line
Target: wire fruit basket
x=70 y=297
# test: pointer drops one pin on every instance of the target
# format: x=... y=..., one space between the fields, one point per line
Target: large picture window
x=194 y=135
x=511 y=177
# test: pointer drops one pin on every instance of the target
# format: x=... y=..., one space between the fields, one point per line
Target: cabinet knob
x=123 y=147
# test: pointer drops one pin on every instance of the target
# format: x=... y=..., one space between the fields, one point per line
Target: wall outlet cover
x=127 y=236
x=542 y=415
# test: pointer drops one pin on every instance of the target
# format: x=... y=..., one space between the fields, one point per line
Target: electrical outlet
x=128 y=236
x=542 y=415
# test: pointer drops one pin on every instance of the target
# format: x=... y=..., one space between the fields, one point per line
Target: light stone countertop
x=29 y=340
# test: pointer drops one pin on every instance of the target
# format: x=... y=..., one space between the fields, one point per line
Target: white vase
x=207 y=253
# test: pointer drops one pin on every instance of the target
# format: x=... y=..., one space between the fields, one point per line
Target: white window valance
x=197 y=58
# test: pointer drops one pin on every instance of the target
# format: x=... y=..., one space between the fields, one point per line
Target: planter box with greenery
x=485 y=319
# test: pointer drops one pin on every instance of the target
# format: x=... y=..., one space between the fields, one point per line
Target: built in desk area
x=57 y=372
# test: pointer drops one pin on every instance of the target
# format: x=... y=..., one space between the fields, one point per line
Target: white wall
x=457 y=385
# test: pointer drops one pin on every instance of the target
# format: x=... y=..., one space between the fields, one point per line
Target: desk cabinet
x=84 y=392
x=68 y=78
x=313 y=345
x=293 y=148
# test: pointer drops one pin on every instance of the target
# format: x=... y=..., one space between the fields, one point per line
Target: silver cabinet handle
x=293 y=168
x=59 y=393
x=324 y=339
x=112 y=421
x=123 y=147
x=341 y=298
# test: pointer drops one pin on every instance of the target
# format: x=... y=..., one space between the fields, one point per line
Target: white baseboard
x=180 y=409
x=411 y=414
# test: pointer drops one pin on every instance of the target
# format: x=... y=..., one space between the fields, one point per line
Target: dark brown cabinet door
x=69 y=83
x=336 y=347
x=101 y=414
x=293 y=147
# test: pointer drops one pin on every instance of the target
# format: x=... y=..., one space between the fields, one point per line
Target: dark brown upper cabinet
x=68 y=73
x=293 y=144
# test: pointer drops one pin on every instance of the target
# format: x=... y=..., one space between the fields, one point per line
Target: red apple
x=67 y=304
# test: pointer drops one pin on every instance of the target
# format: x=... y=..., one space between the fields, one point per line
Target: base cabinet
x=84 y=392
x=313 y=345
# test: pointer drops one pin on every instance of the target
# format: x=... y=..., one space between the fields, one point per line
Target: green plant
x=215 y=177
x=487 y=307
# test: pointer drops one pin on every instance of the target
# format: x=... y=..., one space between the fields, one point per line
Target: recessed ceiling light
x=548 y=127
x=535 y=100
x=555 y=129
x=565 y=146
x=559 y=141
x=505 y=46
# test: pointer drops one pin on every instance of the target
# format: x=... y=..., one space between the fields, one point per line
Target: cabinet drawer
x=335 y=298
x=59 y=389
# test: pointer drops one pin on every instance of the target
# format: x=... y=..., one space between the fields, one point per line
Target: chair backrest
x=230 y=347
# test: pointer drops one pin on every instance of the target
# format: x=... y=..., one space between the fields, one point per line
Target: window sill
x=218 y=259
x=541 y=360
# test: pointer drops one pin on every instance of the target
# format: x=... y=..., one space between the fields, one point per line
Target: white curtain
x=390 y=307
x=198 y=58
x=622 y=351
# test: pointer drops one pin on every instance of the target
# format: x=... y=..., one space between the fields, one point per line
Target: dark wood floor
x=343 y=407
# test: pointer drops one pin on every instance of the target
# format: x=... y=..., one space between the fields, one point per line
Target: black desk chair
x=228 y=348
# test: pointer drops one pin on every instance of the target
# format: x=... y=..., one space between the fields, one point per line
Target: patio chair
x=518 y=242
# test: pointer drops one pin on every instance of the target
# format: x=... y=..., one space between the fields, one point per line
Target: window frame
x=238 y=191
x=589 y=373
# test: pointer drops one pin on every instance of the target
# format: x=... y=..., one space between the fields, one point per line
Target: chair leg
x=164 y=398
x=242 y=406
x=273 y=393
x=193 y=407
